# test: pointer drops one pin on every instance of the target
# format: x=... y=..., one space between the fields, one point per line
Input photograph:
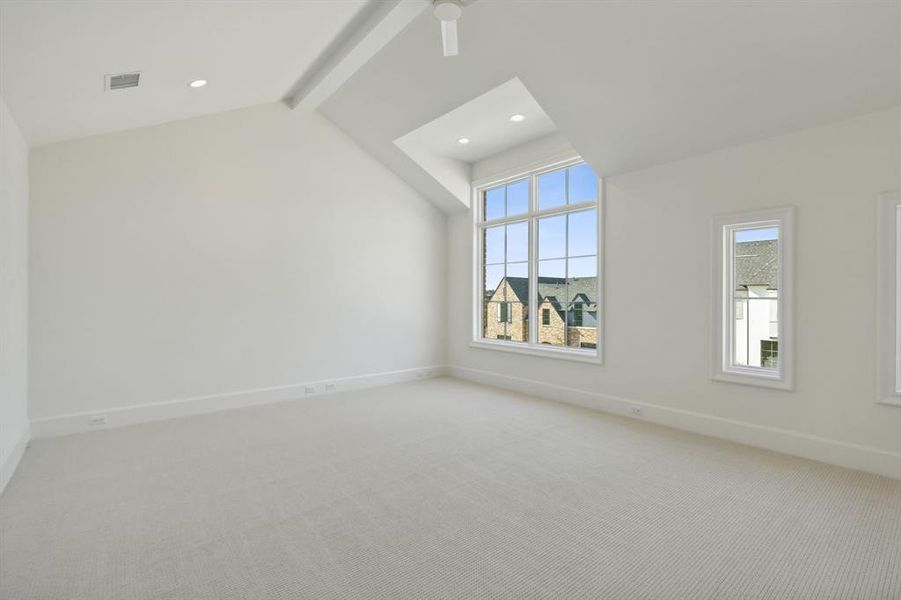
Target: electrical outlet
x=97 y=420
x=331 y=387
x=309 y=389
x=636 y=410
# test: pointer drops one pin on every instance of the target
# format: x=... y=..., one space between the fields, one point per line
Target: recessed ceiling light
x=517 y=118
x=463 y=140
x=197 y=83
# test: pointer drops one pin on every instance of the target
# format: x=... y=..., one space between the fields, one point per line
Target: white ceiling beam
x=375 y=25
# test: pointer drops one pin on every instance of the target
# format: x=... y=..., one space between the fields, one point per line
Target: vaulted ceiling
x=54 y=55
x=632 y=84
x=627 y=84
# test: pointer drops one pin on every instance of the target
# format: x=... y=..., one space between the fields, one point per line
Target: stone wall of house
x=517 y=328
x=554 y=332
x=580 y=335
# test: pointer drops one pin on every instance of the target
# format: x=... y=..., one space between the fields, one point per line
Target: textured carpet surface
x=437 y=489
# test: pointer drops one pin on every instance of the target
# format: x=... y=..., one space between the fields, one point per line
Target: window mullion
x=533 y=262
x=568 y=304
x=504 y=279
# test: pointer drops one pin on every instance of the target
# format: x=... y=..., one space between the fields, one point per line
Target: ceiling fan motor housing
x=447 y=10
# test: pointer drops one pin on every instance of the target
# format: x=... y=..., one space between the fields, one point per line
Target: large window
x=538 y=285
x=889 y=309
x=752 y=296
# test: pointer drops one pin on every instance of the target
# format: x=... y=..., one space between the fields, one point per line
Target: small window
x=753 y=298
x=769 y=354
x=545 y=316
x=588 y=345
x=577 y=314
x=505 y=312
x=889 y=309
x=503 y=337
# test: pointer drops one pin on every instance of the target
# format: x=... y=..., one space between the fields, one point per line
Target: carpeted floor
x=437 y=489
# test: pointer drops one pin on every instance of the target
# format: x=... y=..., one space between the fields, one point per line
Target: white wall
x=658 y=293
x=14 y=427
x=239 y=251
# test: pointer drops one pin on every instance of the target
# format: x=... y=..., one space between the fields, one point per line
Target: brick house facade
x=567 y=310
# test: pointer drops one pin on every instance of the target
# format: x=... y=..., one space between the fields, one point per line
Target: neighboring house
x=561 y=302
x=756 y=308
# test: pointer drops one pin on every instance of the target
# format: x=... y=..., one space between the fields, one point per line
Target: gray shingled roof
x=757 y=263
x=554 y=289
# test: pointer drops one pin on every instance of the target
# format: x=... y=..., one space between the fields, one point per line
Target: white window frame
x=722 y=368
x=888 y=313
x=594 y=356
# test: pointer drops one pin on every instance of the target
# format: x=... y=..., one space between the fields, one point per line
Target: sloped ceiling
x=632 y=84
x=54 y=55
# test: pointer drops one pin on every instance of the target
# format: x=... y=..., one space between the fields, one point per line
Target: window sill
x=754 y=379
x=570 y=354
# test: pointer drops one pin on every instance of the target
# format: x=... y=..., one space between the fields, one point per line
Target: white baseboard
x=853 y=456
x=183 y=407
x=8 y=467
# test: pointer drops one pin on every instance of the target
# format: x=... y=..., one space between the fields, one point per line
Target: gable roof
x=555 y=290
x=757 y=263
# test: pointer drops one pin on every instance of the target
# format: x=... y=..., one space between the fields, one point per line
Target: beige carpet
x=437 y=489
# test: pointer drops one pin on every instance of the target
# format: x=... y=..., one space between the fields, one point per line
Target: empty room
x=450 y=299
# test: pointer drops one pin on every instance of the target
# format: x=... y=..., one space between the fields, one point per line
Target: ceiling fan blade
x=449 y=38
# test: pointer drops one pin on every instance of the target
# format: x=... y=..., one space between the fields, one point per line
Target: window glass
x=518 y=198
x=495 y=204
x=493 y=275
x=552 y=237
x=518 y=242
x=494 y=245
x=582 y=287
x=755 y=318
x=583 y=184
x=563 y=282
x=552 y=189
x=582 y=233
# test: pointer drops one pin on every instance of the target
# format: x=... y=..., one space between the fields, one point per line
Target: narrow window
x=504 y=312
x=538 y=239
x=769 y=353
x=577 y=314
x=753 y=298
x=889 y=295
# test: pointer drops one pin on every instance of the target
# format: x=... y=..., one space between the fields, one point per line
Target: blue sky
x=757 y=235
x=552 y=247
x=513 y=198
x=510 y=243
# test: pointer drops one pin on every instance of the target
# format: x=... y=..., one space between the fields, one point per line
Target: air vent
x=122 y=81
